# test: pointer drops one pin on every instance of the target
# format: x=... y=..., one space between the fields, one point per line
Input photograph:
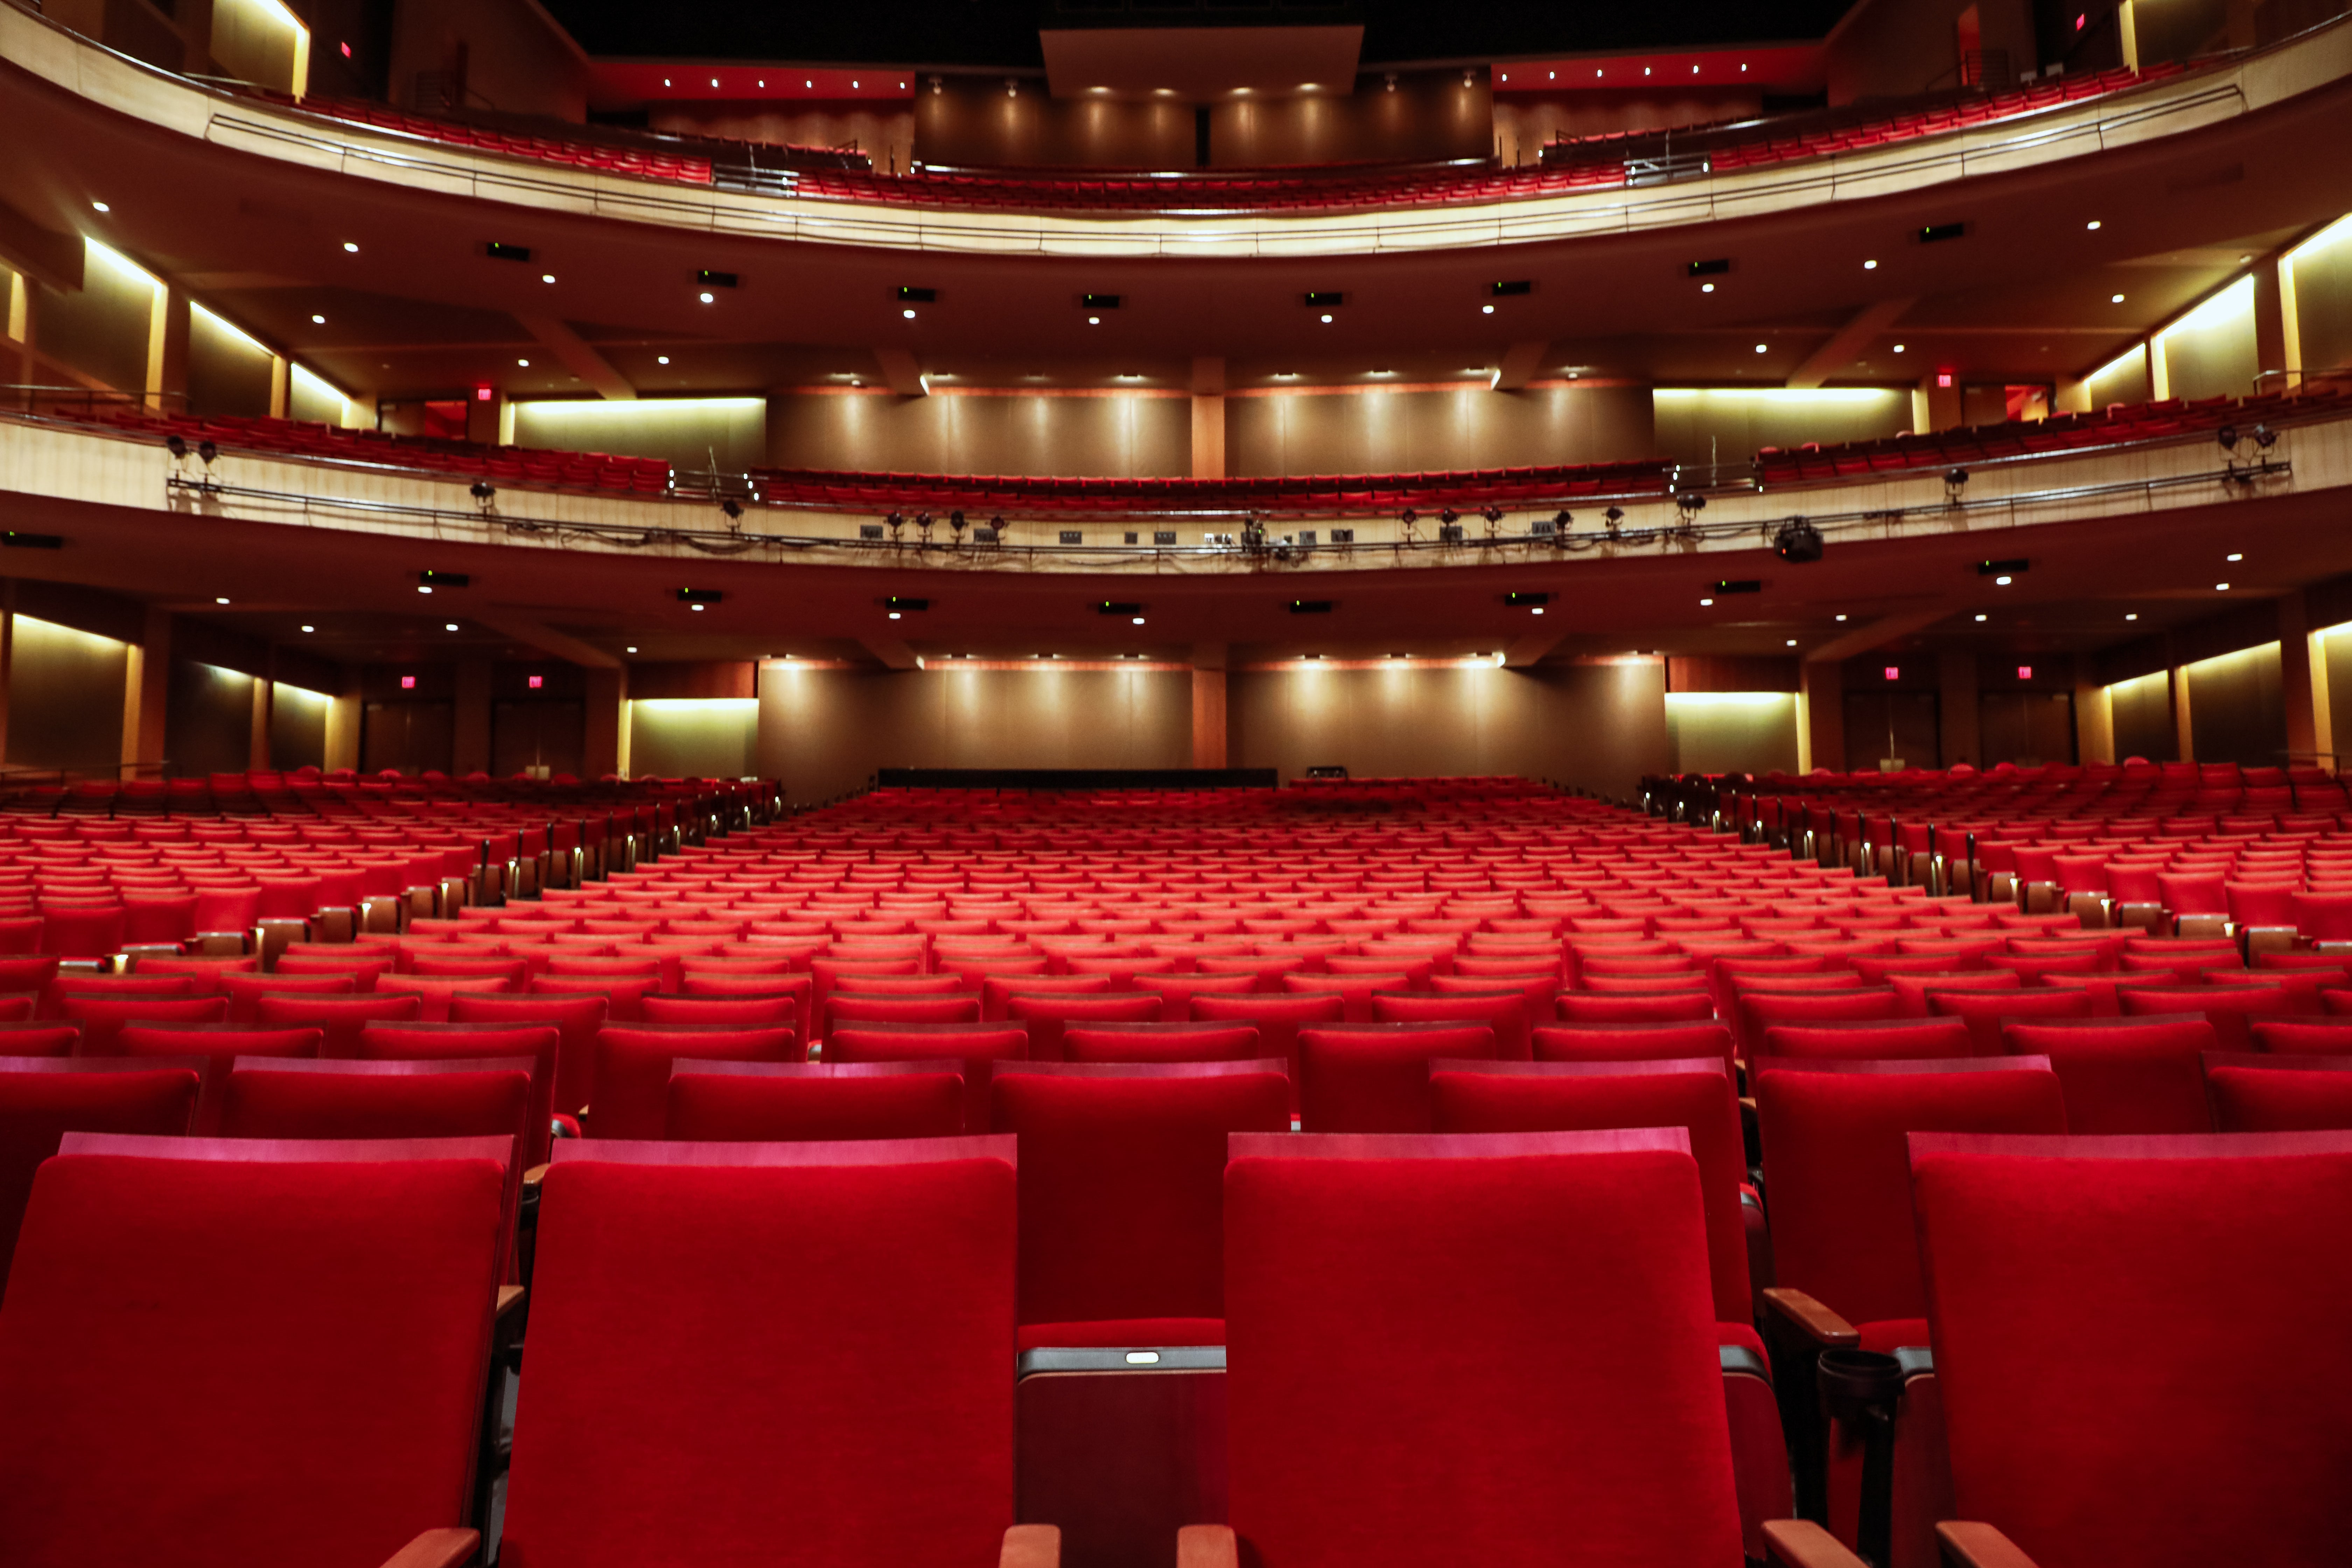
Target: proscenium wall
x=1598 y=726
x=687 y=432
x=1731 y=731
x=825 y=731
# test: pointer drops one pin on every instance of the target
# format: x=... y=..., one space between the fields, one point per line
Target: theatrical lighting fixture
x=955 y=525
x=1493 y=516
x=428 y=581
x=699 y=597
x=1690 y=503
x=1798 y=542
x=2266 y=438
x=1449 y=526
x=483 y=492
x=177 y=447
x=2228 y=436
x=1956 y=479
x=207 y=451
x=896 y=521
x=732 y=508
x=1614 y=520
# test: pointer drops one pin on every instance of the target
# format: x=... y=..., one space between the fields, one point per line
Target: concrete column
x=2184 y=736
x=1820 y=688
x=2269 y=327
x=17 y=363
x=1209 y=719
x=7 y=655
x=2094 y=722
x=1208 y=417
x=607 y=747
x=1957 y=710
x=167 y=352
x=2322 y=708
x=264 y=697
x=281 y=383
x=146 y=691
x=2303 y=677
x=1943 y=403
x=470 y=750
x=344 y=720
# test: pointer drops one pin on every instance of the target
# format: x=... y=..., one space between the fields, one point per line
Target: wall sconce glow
x=311 y=383
x=221 y=324
x=2215 y=310
x=122 y=264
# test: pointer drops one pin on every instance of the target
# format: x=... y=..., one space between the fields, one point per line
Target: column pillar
x=607 y=750
x=1956 y=716
x=1943 y=403
x=1208 y=417
x=265 y=699
x=282 y=380
x=146 y=691
x=7 y=655
x=2303 y=676
x=2184 y=742
x=19 y=365
x=1209 y=719
x=167 y=352
x=2270 y=326
x=1821 y=692
x=344 y=718
x=470 y=739
x=2095 y=718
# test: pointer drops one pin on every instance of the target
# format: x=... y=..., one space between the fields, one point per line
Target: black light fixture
x=176 y=445
x=1493 y=516
x=207 y=451
x=483 y=492
x=1690 y=503
x=699 y=596
x=1614 y=520
x=2228 y=436
x=1798 y=541
x=2266 y=438
x=732 y=508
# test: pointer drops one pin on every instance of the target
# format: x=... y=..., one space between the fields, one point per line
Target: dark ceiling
x=1003 y=33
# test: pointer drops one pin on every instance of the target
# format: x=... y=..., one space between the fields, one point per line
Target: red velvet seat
x=217 y=1046
x=2257 y=1092
x=244 y=990
x=2229 y=1008
x=634 y=1063
x=898 y=1259
x=972 y=1047
x=1592 y=1007
x=1045 y=1016
x=1876 y=1039
x=1985 y=1011
x=340 y=1019
x=42 y=1099
x=541 y=1043
x=1278 y=1018
x=1845 y=1253
x=1162 y=1042
x=2137 y=1076
x=248 y=1300
x=1503 y=1449
x=2093 y=1302
x=780 y=1011
x=1505 y=1012
x=813 y=1102
x=1630 y=1042
x=103 y=1018
x=1374 y=1078
x=575 y=1019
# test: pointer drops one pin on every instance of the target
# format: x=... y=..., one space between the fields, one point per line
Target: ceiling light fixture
x=909 y=312
x=219 y=600
x=1870 y=267
x=1704 y=604
x=706 y=297
x=448 y=625
x=522 y=364
x=2220 y=587
x=547 y=278
x=318 y=320
x=1759 y=348
x=1707 y=287
x=310 y=629
x=351 y=247
x=2002 y=581
x=99 y=208
x=2092 y=225
x=1981 y=617
x=2133 y=616
x=661 y=359
x=1898 y=348
x=2235 y=555
x=2114 y=299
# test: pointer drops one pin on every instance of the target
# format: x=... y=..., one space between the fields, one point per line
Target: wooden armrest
x=1032 y=1546
x=1977 y=1546
x=1812 y=1319
x=437 y=1549
x=509 y=1299
x=1207 y=1546
x=535 y=1175
x=1801 y=1544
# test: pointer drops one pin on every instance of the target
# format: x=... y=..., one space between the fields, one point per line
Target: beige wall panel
x=65 y=698
x=1467 y=428
x=686 y=738
x=2323 y=301
x=1109 y=435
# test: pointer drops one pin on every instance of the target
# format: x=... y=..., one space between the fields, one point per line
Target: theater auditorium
x=1175 y=783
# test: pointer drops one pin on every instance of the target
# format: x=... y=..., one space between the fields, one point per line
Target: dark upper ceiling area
x=1003 y=33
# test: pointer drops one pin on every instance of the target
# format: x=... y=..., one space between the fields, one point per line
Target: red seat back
x=812 y=1103
x=2126 y=1076
x=42 y=1099
x=634 y=1062
x=1374 y=1078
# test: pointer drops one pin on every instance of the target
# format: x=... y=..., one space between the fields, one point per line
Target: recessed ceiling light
x=698 y=609
x=424 y=587
x=524 y=363
x=1759 y=348
x=2002 y=581
x=2235 y=555
x=2093 y=225
x=1703 y=603
x=1898 y=348
x=1707 y=287
x=1981 y=617
x=894 y=615
x=318 y=320
x=661 y=359
x=1841 y=617
x=448 y=625
x=101 y=207
x=2133 y=617
x=1870 y=267
x=1094 y=320
x=909 y=312
x=351 y=247
x=1327 y=317
x=2114 y=299
x=707 y=296
x=1486 y=310
x=1139 y=621
x=547 y=278
x=310 y=629
x=1792 y=642
x=1536 y=610
x=2220 y=587
x=631 y=648
x=219 y=600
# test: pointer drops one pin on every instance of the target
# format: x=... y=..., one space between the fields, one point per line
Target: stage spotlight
x=176 y=445
x=207 y=451
x=1798 y=542
x=732 y=508
x=2228 y=436
x=2266 y=438
x=1614 y=520
x=483 y=492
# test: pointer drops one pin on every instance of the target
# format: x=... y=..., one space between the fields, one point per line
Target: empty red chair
x=1337 y=1247
x=1880 y=1040
x=2229 y=1008
x=339 y=1019
x=575 y=1020
x=1504 y=1012
x=634 y=1063
x=103 y=1018
x=1589 y=1007
x=620 y=995
x=540 y=1043
x=974 y=1049
x=82 y=930
x=1176 y=991
x=997 y=990
x=217 y=1047
x=846 y=1008
x=434 y=991
x=155 y=1274
x=1278 y=1020
x=1374 y=1078
x=1354 y=991
x=39 y=1038
x=2324 y=1036
x=896 y=1355
x=1845 y=1252
x=1985 y=1011
x=1914 y=990
x=1760 y=1010
x=42 y=1099
x=1630 y=1042
x=2045 y=1253
x=2257 y=1092
x=777 y=1011
x=1047 y=1016
x=1162 y=1042
x=2323 y=920
x=812 y=1103
x=2138 y=1076
x=243 y=991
